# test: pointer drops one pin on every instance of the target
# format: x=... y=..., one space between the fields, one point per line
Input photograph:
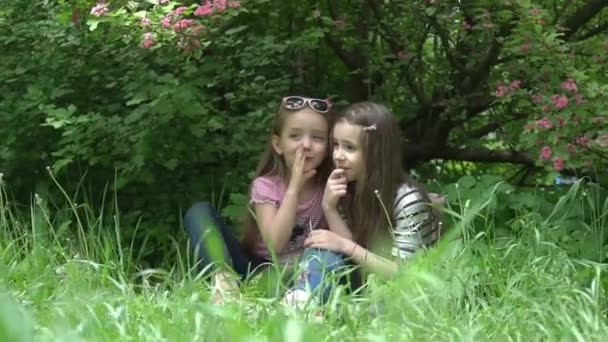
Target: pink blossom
x=163 y=2
x=145 y=22
x=536 y=98
x=99 y=9
x=558 y=163
x=234 y=4
x=579 y=98
x=515 y=84
x=180 y=10
x=545 y=153
x=570 y=85
x=219 y=5
x=166 y=21
x=204 y=10
x=582 y=141
x=148 y=41
x=524 y=48
x=559 y=101
x=501 y=90
x=182 y=24
x=544 y=123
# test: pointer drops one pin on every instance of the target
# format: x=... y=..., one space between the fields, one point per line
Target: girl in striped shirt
x=387 y=214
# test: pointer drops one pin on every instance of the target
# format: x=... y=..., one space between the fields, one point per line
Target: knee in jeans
x=323 y=259
x=197 y=210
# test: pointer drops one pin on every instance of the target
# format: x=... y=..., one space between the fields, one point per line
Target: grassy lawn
x=524 y=287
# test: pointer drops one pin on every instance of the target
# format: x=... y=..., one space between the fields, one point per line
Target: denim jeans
x=318 y=272
x=213 y=243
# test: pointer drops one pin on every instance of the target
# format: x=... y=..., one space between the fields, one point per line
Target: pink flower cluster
x=503 y=89
x=182 y=24
x=544 y=123
x=582 y=141
x=148 y=41
x=545 y=153
x=558 y=163
x=209 y=7
x=569 y=85
x=559 y=101
x=99 y=9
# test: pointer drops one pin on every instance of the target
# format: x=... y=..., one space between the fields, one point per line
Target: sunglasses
x=298 y=102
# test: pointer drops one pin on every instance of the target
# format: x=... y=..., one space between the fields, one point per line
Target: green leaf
x=236 y=30
x=93 y=23
x=430 y=11
x=137 y=99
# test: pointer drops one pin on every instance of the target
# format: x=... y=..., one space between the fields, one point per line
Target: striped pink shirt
x=309 y=215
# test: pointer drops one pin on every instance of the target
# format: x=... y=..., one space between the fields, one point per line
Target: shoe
x=303 y=302
x=297 y=298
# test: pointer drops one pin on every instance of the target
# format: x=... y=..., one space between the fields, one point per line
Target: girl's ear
x=275 y=144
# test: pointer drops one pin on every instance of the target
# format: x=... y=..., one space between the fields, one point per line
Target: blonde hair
x=273 y=164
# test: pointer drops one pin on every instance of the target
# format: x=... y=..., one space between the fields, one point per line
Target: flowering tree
x=164 y=91
x=510 y=81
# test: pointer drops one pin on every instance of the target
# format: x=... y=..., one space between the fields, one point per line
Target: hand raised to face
x=299 y=175
x=334 y=189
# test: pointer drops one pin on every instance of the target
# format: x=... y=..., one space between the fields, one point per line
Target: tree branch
x=396 y=47
x=558 y=14
x=581 y=16
x=351 y=60
x=592 y=32
x=445 y=41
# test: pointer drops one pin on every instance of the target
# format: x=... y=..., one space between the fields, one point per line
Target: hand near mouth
x=299 y=176
x=334 y=189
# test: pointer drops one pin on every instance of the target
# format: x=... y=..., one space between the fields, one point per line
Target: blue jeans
x=213 y=243
x=318 y=272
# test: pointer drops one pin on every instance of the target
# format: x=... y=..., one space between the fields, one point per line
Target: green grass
x=67 y=279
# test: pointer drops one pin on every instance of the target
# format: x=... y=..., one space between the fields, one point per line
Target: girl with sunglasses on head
x=388 y=215
x=285 y=197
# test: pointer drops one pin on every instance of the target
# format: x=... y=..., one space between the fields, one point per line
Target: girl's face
x=304 y=129
x=347 y=150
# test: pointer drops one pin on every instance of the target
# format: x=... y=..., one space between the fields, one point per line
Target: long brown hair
x=273 y=164
x=372 y=196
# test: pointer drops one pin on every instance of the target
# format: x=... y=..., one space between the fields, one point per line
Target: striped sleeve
x=265 y=190
x=415 y=225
